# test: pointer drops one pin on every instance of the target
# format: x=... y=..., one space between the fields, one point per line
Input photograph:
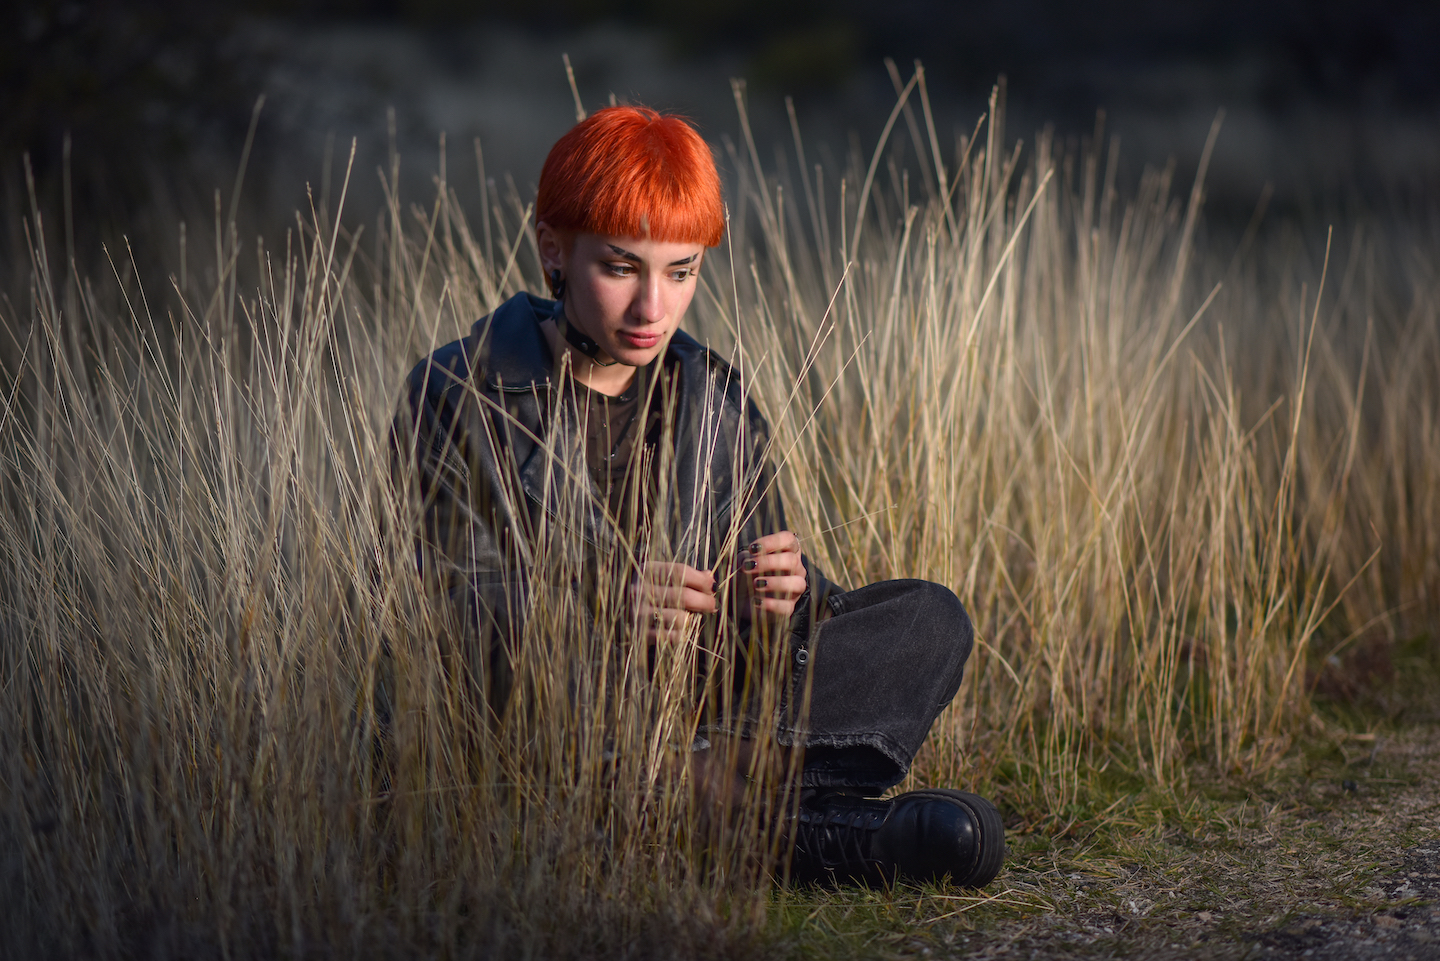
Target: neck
x=612 y=380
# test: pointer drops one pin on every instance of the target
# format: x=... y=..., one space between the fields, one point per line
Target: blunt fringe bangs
x=633 y=172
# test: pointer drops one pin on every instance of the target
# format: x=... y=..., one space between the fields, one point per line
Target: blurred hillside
x=1335 y=104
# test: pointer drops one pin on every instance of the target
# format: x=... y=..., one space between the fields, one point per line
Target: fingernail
x=759 y=602
x=714 y=584
x=755 y=548
x=749 y=564
x=759 y=582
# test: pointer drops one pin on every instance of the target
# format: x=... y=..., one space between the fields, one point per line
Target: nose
x=649 y=303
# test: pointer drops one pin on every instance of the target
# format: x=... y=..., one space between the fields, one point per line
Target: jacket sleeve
x=443 y=440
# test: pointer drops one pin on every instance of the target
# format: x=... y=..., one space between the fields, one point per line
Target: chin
x=638 y=358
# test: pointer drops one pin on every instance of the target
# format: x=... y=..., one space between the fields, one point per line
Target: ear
x=554 y=248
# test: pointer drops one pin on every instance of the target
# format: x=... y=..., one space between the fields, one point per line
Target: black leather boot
x=929 y=835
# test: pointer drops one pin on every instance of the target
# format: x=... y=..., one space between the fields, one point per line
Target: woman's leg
x=872 y=677
x=865 y=685
x=877 y=673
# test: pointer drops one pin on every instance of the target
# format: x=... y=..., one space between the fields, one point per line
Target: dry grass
x=1167 y=483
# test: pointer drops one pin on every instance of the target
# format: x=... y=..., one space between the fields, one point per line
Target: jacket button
x=802 y=657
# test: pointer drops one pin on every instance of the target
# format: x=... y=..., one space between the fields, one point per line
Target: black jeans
x=878 y=667
x=869 y=672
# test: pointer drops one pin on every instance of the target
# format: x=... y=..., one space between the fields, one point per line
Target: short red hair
x=632 y=172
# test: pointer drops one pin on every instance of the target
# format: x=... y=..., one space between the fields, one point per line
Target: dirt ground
x=1338 y=860
x=1335 y=857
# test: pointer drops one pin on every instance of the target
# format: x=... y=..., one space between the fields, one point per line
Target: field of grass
x=1181 y=488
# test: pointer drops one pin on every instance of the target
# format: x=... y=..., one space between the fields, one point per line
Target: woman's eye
x=621 y=269
x=680 y=276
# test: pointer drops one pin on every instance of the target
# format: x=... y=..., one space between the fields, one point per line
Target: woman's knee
x=944 y=610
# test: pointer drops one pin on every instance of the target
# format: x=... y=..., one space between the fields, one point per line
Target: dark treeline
x=127 y=95
x=153 y=97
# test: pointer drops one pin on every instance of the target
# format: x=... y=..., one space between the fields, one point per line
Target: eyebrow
x=622 y=252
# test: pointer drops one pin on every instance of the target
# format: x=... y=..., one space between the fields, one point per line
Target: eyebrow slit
x=622 y=252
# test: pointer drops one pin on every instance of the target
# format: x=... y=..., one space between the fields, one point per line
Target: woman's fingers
x=680 y=599
x=787 y=586
x=773 y=554
x=672 y=574
x=664 y=617
x=663 y=623
x=776 y=596
x=781 y=542
x=782 y=563
x=698 y=580
x=775 y=572
x=678 y=587
x=668 y=593
x=698 y=602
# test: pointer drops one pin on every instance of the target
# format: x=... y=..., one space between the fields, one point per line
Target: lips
x=639 y=340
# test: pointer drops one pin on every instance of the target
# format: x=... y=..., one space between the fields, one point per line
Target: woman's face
x=626 y=293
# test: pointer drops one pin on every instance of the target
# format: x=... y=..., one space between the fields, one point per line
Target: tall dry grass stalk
x=238 y=718
x=1138 y=470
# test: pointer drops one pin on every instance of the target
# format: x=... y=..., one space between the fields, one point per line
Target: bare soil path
x=1329 y=864
x=1336 y=857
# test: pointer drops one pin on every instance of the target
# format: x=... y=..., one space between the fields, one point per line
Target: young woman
x=675 y=459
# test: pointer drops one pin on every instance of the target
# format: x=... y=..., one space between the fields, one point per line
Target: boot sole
x=989 y=829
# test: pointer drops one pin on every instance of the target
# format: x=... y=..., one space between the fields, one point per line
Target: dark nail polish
x=755 y=548
x=759 y=582
x=714 y=584
x=749 y=564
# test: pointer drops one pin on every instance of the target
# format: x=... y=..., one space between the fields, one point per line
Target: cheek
x=598 y=296
x=680 y=302
x=612 y=300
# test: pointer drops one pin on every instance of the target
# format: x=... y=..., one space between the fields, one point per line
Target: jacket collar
x=518 y=357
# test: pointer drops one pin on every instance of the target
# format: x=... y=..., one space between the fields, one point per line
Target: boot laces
x=835 y=836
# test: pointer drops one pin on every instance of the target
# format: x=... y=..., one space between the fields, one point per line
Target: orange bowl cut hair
x=632 y=172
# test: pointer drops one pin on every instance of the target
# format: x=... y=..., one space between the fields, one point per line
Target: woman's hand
x=773 y=576
x=668 y=595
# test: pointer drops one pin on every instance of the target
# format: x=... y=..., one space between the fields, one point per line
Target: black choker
x=578 y=340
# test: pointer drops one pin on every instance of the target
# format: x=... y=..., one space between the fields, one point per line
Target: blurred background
x=1334 y=105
